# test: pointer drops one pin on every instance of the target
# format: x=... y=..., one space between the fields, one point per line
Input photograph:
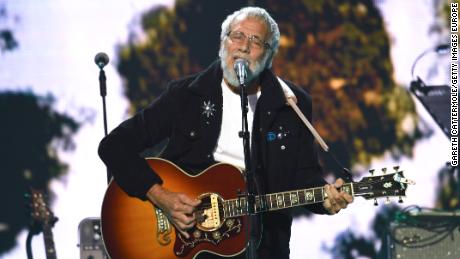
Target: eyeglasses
x=254 y=41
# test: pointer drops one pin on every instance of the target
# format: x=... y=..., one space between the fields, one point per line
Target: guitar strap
x=292 y=101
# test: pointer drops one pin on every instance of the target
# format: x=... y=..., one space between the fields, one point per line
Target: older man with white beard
x=200 y=114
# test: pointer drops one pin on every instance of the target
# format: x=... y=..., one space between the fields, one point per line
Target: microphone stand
x=103 y=91
x=248 y=172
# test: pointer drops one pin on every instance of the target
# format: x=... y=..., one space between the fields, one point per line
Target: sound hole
x=210 y=212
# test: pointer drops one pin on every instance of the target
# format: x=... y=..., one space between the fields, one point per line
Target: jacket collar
x=208 y=82
x=272 y=91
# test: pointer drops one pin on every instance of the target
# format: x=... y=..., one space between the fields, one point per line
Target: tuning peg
x=396 y=168
x=372 y=171
x=375 y=202
x=384 y=170
x=387 y=200
x=400 y=200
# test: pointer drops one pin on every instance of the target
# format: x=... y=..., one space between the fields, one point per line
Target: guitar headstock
x=383 y=185
x=40 y=212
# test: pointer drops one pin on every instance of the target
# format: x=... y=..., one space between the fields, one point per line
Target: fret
x=271 y=201
x=244 y=205
x=265 y=203
x=230 y=208
x=235 y=204
x=294 y=199
x=302 y=198
x=287 y=199
x=279 y=201
x=318 y=194
x=238 y=206
x=262 y=202
x=227 y=204
x=348 y=188
x=223 y=209
x=309 y=196
x=227 y=207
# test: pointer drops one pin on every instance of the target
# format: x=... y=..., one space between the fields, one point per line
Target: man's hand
x=336 y=200
x=177 y=206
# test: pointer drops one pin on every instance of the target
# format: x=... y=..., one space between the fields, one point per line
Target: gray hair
x=258 y=13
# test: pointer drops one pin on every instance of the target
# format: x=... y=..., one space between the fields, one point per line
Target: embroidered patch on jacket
x=208 y=109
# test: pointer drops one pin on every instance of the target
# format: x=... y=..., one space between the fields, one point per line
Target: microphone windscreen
x=240 y=63
x=101 y=59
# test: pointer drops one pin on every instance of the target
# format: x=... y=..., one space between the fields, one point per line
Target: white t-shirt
x=230 y=146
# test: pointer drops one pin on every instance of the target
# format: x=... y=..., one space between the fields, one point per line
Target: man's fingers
x=332 y=193
x=187 y=221
x=183 y=223
x=342 y=203
x=182 y=208
x=348 y=198
x=183 y=232
x=339 y=183
x=181 y=217
x=188 y=201
x=336 y=200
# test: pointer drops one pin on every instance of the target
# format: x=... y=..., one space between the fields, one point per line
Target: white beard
x=255 y=68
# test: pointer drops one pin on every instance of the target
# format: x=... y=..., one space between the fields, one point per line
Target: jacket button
x=192 y=133
x=283 y=147
x=269 y=113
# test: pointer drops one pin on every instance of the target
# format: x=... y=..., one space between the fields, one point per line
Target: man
x=200 y=114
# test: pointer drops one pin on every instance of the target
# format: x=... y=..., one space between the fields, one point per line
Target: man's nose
x=245 y=46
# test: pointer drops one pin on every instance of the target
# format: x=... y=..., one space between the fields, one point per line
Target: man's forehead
x=242 y=20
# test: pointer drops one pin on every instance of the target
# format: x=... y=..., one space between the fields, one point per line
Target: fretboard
x=49 y=242
x=281 y=200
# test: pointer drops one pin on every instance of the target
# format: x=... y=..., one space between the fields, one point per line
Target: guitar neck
x=281 y=200
x=49 y=242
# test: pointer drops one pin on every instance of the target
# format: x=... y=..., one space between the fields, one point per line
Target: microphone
x=241 y=67
x=101 y=59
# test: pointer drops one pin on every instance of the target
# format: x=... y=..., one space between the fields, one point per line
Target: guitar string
x=205 y=206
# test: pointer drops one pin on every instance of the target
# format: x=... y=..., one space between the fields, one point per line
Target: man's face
x=231 y=50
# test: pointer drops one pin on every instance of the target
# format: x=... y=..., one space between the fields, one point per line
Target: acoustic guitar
x=132 y=228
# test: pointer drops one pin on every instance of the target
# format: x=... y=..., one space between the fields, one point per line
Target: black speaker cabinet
x=430 y=238
x=91 y=244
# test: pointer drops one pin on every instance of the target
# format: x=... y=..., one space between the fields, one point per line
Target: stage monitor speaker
x=425 y=241
x=436 y=100
x=91 y=244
